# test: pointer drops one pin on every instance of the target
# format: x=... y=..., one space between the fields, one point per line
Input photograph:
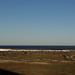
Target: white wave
x=34 y=50
x=5 y=49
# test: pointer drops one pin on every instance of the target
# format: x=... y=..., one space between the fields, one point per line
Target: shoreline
x=35 y=50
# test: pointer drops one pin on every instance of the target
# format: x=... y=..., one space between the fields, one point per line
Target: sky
x=37 y=22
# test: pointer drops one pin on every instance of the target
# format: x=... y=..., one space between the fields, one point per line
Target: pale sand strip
x=14 y=61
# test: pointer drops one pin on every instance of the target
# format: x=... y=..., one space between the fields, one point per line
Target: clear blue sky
x=37 y=22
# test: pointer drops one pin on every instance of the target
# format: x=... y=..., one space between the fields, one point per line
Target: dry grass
x=38 y=69
x=53 y=68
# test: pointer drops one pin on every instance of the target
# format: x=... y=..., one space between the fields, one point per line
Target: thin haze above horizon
x=37 y=22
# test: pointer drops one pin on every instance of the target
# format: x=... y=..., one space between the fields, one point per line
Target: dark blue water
x=40 y=47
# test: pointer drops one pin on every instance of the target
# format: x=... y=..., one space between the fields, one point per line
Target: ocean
x=39 y=47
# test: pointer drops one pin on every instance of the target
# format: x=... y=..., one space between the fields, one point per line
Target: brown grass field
x=40 y=69
x=50 y=64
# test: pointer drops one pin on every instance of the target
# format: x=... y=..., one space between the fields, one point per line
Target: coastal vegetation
x=40 y=69
x=38 y=62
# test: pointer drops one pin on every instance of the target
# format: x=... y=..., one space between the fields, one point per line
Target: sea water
x=39 y=47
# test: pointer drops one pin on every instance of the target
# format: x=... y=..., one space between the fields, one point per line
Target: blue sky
x=37 y=22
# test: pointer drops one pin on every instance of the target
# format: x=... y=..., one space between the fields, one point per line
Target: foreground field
x=40 y=69
x=37 y=63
